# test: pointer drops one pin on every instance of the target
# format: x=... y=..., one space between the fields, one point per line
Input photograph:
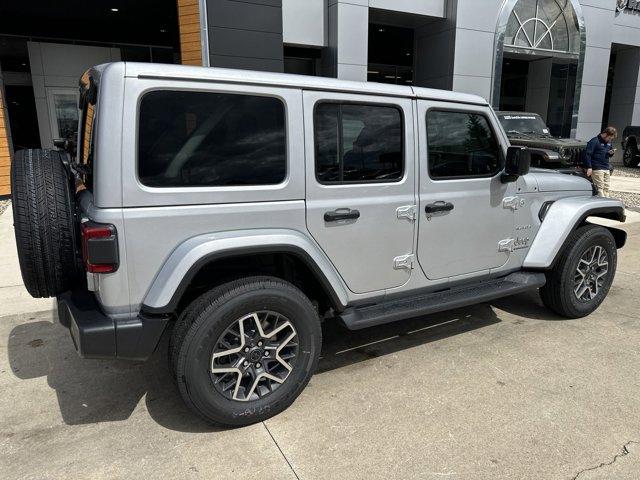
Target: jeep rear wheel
x=630 y=157
x=580 y=280
x=44 y=222
x=245 y=350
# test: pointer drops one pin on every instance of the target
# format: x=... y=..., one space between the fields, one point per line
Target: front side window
x=461 y=145
x=358 y=143
x=188 y=139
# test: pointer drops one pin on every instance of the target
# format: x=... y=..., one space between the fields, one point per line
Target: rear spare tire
x=44 y=223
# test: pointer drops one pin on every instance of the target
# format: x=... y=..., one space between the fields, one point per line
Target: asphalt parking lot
x=506 y=390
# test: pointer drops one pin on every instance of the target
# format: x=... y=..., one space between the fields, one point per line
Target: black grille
x=574 y=155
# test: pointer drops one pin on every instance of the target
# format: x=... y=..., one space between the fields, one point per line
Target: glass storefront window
x=391 y=51
x=397 y=75
x=63 y=112
x=66 y=115
x=544 y=25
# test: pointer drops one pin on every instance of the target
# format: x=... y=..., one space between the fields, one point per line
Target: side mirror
x=517 y=163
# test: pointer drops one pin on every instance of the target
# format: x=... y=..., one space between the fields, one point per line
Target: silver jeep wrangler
x=238 y=210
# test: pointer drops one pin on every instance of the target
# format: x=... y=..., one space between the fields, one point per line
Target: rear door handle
x=341 y=214
x=438 y=207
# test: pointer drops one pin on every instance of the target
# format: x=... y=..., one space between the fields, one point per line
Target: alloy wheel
x=591 y=273
x=254 y=356
x=627 y=157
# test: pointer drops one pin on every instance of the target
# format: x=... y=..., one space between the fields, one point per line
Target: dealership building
x=575 y=62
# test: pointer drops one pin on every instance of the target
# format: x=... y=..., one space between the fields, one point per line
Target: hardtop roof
x=215 y=74
x=514 y=112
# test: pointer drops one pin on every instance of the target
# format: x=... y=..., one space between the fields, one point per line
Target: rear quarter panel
x=153 y=233
x=158 y=220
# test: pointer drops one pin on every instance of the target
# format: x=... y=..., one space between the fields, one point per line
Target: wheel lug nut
x=246 y=349
x=259 y=344
x=258 y=365
x=266 y=354
x=246 y=364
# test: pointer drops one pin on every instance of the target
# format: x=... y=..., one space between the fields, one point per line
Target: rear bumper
x=96 y=335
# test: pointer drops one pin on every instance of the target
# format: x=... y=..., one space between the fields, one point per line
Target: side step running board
x=399 y=309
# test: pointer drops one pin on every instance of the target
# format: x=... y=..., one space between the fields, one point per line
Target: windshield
x=525 y=123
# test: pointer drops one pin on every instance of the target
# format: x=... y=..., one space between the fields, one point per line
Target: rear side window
x=188 y=139
x=461 y=145
x=358 y=143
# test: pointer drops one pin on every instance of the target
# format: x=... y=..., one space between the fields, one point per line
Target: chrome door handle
x=341 y=214
x=438 y=207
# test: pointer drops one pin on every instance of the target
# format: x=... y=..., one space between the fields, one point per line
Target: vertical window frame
x=340 y=147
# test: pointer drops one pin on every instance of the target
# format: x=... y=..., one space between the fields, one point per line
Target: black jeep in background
x=630 y=138
x=529 y=130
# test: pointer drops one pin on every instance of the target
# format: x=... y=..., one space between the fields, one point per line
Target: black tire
x=559 y=294
x=630 y=157
x=44 y=223
x=200 y=330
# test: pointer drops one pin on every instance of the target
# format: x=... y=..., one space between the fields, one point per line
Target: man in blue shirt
x=596 y=159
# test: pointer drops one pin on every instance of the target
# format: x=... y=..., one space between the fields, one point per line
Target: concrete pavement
x=625 y=184
x=497 y=391
x=14 y=298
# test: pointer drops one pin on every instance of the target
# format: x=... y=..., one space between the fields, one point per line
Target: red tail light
x=99 y=247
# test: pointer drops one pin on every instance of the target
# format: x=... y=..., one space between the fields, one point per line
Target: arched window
x=544 y=26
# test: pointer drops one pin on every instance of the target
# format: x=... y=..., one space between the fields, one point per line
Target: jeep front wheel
x=631 y=157
x=245 y=350
x=582 y=276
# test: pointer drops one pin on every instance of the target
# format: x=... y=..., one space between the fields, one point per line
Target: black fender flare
x=209 y=258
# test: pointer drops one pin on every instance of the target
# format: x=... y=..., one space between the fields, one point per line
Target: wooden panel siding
x=87 y=132
x=189 y=23
x=5 y=153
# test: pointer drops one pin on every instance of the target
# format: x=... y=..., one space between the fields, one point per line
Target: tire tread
x=192 y=317
x=553 y=294
x=43 y=222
